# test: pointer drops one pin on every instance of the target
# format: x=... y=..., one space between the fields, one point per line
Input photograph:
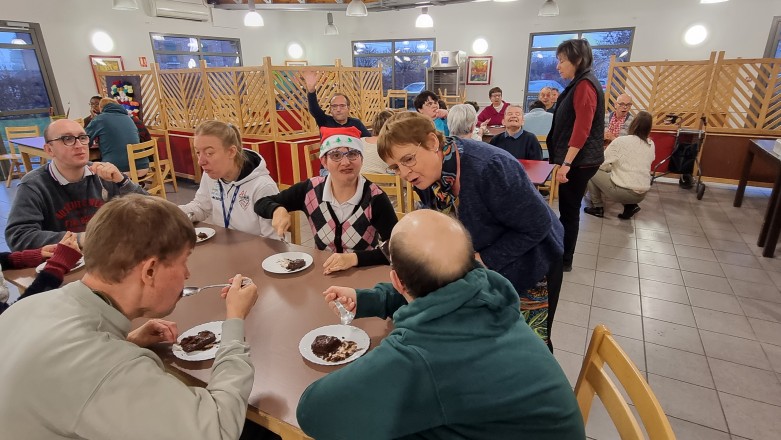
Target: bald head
x=623 y=104
x=61 y=127
x=430 y=250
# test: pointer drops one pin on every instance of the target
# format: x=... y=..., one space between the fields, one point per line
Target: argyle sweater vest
x=356 y=233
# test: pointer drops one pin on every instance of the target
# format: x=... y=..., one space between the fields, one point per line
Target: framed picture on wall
x=105 y=63
x=479 y=70
x=296 y=63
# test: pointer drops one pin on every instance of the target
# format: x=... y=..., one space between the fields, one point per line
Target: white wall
x=740 y=27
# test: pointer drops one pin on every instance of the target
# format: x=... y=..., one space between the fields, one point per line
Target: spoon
x=345 y=316
x=192 y=290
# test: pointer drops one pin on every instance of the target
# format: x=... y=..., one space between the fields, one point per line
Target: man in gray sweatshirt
x=64 y=194
x=73 y=369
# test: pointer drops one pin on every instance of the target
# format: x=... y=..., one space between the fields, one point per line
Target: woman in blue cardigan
x=514 y=231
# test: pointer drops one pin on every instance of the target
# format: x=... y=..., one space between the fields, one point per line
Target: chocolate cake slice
x=202 y=236
x=294 y=264
x=324 y=345
x=198 y=342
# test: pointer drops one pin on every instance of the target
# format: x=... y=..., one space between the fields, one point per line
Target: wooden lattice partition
x=150 y=93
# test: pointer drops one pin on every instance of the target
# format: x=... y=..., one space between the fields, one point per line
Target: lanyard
x=226 y=215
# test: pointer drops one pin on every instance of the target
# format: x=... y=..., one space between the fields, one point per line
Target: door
x=28 y=93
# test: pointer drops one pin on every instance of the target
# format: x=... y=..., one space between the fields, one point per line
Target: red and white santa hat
x=339 y=137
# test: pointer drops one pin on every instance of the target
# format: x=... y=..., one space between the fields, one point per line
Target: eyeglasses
x=408 y=161
x=94 y=104
x=336 y=155
x=70 y=141
x=496 y=95
x=431 y=104
x=623 y=104
x=338 y=105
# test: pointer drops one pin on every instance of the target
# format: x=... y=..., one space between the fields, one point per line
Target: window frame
x=199 y=54
x=391 y=54
x=579 y=33
x=774 y=38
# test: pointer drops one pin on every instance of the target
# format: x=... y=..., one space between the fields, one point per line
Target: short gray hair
x=461 y=119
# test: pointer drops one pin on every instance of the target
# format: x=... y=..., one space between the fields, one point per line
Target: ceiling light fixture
x=695 y=35
x=331 y=28
x=253 y=18
x=549 y=9
x=424 y=20
x=125 y=5
x=357 y=8
x=480 y=46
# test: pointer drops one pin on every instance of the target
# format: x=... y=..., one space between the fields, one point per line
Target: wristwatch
x=123 y=181
x=566 y=164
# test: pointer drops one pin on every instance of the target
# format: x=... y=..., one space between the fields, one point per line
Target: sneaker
x=596 y=212
x=567 y=267
x=629 y=211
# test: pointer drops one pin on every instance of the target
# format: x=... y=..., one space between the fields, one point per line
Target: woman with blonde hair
x=233 y=180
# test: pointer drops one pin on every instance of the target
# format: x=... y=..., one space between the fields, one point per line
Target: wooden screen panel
x=149 y=93
x=372 y=101
x=184 y=98
x=257 y=103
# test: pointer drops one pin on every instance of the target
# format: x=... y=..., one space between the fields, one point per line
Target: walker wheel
x=700 y=191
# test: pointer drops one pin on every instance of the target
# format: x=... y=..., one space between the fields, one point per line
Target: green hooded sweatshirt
x=461 y=364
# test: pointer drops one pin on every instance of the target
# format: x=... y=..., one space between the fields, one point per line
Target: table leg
x=743 y=178
x=771 y=228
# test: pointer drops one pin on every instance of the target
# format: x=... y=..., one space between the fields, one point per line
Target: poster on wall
x=126 y=90
x=479 y=70
x=107 y=63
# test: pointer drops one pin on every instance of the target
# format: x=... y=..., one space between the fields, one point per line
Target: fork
x=345 y=316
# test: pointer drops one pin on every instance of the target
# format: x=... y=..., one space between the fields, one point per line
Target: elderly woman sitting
x=624 y=175
x=462 y=122
x=349 y=215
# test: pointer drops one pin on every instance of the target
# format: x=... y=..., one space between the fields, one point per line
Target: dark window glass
x=410 y=69
x=176 y=61
x=551 y=40
x=21 y=83
x=621 y=37
x=387 y=68
x=220 y=46
x=15 y=38
x=372 y=47
x=405 y=69
x=220 y=61
x=174 y=44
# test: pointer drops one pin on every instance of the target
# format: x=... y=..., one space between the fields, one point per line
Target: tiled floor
x=687 y=294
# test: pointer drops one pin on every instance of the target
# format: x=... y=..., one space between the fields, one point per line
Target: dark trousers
x=570 y=196
x=555 y=277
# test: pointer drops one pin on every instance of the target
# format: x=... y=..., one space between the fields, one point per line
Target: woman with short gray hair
x=461 y=120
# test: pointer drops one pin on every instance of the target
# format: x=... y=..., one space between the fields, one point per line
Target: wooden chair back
x=295 y=221
x=394 y=95
x=451 y=100
x=15 y=168
x=153 y=180
x=410 y=198
x=391 y=184
x=311 y=154
x=593 y=379
x=167 y=164
x=79 y=121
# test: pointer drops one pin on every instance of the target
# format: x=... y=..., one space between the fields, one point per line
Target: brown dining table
x=492 y=131
x=288 y=307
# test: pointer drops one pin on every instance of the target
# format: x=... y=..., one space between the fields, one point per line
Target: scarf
x=446 y=189
x=615 y=124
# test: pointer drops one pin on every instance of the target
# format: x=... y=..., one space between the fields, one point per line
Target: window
x=542 y=56
x=186 y=51
x=773 y=49
x=404 y=62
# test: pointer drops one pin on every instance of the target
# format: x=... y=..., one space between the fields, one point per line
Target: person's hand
x=107 y=171
x=345 y=295
x=239 y=300
x=69 y=239
x=441 y=113
x=48 y=250
x=337 y=262
x=609 y=136
x=561 y=174
x=484 y=125
x=154 y=331
x=310 y=79
x=280 y=221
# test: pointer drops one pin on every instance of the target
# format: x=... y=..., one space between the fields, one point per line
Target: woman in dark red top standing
x=576 y=138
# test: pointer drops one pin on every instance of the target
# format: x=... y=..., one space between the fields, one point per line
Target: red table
x=537 y=170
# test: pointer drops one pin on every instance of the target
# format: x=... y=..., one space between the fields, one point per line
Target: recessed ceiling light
x=695 y=35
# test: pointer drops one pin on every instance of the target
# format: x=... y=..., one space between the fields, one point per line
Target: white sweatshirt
x=208 y=203
x=628 y=159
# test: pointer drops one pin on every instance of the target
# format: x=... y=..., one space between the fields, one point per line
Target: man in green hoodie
x=461 y=362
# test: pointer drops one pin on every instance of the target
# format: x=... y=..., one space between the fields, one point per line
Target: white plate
x=199 y=355
x=273 y=263
x=79 y=265
x=208 y=231
x=344 y=332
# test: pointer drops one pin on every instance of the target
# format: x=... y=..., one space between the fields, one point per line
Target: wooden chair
x=167 y=164
x=311 y=155
x=391 y=184
x=79 y=121
x=16 y=168
x=593 y=379
x=153 y=179
x=295 y=221
x=410 y=198
x=393 y=95
x=451 y=100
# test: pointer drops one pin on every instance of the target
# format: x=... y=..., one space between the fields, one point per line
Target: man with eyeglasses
x=460 y=363
x=64 y=194
x=340 y=108
x=94 y=109
x=494 y=113
x=617 y=122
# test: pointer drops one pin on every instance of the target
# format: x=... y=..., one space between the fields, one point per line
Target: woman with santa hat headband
x=348 y=214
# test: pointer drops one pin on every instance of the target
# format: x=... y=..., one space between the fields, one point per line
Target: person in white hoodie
x=233 y=180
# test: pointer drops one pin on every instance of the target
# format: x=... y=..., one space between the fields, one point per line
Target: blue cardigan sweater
x=516 y=233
